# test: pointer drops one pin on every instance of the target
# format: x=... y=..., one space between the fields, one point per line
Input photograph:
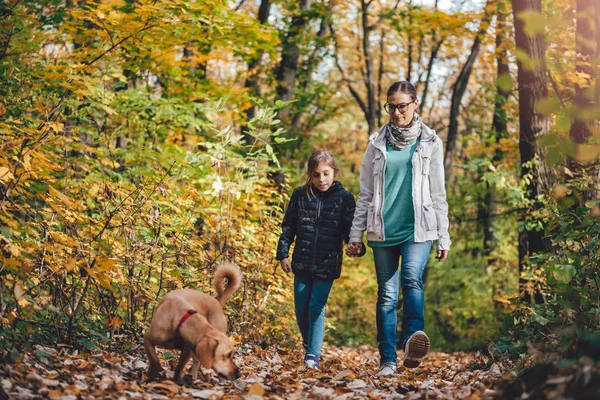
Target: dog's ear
x=205 y=351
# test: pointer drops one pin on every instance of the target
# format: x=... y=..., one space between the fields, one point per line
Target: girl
x=402 y=206
x=318 y=217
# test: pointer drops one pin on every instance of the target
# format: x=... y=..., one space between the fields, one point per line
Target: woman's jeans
x=310 y=298
x=414 y=258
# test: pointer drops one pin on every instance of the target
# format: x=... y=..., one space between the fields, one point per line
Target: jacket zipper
x=379 y=212
x=319 y=202
x=417 y=173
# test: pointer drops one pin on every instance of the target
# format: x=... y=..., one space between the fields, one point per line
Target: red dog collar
x=185 y=316
x=178 y=340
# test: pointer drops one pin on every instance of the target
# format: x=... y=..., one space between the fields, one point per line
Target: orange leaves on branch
x=5 y=174
x=20 y=295
x=60 y=196
x=115 y=322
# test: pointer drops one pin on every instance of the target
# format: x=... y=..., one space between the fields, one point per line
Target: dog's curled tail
x=233 y=275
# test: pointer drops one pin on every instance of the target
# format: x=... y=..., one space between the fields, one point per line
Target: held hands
x=355 y=249
x=286 y=266
x=442 y=255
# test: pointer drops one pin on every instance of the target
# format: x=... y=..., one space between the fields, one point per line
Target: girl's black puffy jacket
x=320 y=222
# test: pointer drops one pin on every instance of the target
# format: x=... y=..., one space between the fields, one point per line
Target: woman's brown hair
x=403 y=87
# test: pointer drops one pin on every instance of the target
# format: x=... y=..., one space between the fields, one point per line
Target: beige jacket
x=428 y=191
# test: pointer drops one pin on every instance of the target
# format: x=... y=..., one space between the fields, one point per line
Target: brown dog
x=199 y=334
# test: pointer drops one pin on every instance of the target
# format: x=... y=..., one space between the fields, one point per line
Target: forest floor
x=273 y=373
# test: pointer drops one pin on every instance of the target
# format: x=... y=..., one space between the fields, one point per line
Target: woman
x=402 y=206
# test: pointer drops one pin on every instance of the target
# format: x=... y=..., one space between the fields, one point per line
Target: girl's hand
x=286 y=265
x=442 y=255
x=354 y=249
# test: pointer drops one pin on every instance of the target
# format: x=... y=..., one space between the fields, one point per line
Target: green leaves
x=504 y=82
x=125 y=176
x=535 y=23
x=563 y=273
x=504 y=345
x=548 y=106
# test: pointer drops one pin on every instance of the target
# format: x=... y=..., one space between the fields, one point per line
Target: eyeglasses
x=391 y=108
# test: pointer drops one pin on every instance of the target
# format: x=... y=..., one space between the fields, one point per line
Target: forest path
x=346 y=373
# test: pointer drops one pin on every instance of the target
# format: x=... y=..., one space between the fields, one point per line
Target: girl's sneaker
x=386 y=369
x=312 y=362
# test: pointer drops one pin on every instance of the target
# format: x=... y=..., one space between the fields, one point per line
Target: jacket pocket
x=377 y=164
x=426 y=165
x=429 y=217
x=377 y=169
x=370 y=218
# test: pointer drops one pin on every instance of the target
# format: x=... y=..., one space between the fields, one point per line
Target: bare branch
x=380 y=20
x=237 y=8
x=555 y=87
x=114 y=46
x=354 y=93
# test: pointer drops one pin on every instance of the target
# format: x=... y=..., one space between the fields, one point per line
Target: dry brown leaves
x=266 y=373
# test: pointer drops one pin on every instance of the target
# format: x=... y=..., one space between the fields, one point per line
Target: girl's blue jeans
x=414 y=259
x=310 y=298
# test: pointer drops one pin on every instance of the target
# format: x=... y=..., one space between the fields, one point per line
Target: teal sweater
x=398 y=212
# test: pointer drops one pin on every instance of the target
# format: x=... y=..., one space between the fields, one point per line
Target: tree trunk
x=288 y=67
x=372 y=81
x=432 y=57
x=380 y=89
x=309 y=65
x=584 y=103
x=369 y=69
x=459 y=88
x=287 y=73
x=252 y=79
x=533 y=88
x=499 y=130
x=410 y=43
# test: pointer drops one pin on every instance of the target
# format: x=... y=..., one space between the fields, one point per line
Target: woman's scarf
x=401 y=138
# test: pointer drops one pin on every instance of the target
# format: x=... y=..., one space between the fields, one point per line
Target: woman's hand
x=355 y=249
x=442 y=255
x=286 y=265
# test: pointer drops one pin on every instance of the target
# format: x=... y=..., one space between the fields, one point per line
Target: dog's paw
x=187 y=380
x=155 y=376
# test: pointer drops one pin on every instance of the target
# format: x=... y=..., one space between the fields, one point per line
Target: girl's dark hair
x=314 y=160
x=403 y=87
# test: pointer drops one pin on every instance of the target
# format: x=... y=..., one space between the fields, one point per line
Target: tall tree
x=585 y=102
x=371 y=106
x=380 y=88
x=499 y=129
x=532 y=83
x=435 y=47
x=251 y=83
x=287 y=71
x=369 y=71
x=310 y=109
x=290 y=54
x=409 y=60
x=460 y=86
